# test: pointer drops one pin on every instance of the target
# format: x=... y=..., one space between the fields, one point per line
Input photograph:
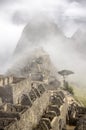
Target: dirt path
x=70 y=127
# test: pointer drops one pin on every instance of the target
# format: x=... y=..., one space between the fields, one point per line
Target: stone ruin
x=81 y=124
x=31 y=103
x=35 y=101
x=12 y=115
x=39 y=108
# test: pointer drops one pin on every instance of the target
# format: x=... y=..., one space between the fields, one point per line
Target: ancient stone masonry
x=61 y=112
x=76 y=116
x=33 y=99
x=11 y=92
x=29 y=106
x=19 y=89
x=53 y=118
x=6 y=80
x=35 y=107
x=24 y=99
x=81 y=123
x=9 y=114
x=32 y=103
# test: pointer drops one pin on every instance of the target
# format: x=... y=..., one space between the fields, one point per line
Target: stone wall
x=7 y=80
x=20 y=88
x=6 y=94
x=1 y=82
x=4 y=80
x=31 y=117
x=55 y=115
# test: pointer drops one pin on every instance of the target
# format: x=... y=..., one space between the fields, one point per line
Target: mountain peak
x=36 y=33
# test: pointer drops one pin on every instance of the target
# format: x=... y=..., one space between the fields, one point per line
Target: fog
x=66 y=49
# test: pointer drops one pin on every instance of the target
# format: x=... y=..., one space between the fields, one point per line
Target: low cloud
x=69 y=15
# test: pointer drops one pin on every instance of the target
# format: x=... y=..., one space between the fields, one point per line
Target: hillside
x=80 y=95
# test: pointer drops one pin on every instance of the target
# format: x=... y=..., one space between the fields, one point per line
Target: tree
x=65 y=73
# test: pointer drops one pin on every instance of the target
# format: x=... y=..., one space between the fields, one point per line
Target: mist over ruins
x=36 y=91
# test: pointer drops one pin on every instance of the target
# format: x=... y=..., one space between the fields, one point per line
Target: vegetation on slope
x=68 y=88
x=80 y=95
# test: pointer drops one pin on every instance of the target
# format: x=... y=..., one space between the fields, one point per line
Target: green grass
x=80 y=95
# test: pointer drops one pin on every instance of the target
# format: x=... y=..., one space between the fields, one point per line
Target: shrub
x=68 y=88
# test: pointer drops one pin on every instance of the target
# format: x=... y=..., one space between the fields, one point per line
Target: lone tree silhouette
x=66 y=73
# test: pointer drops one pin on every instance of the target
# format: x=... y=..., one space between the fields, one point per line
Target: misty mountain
x=29 y=56
x=42 y=32
x=36 y=33
x=79 y=38
x=39 y=33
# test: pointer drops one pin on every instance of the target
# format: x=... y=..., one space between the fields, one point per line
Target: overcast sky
x=69 y=15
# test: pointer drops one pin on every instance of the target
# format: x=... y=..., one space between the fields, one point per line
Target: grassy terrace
x=80 y=95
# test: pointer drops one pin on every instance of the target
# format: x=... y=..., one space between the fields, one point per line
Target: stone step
x=70 y=127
